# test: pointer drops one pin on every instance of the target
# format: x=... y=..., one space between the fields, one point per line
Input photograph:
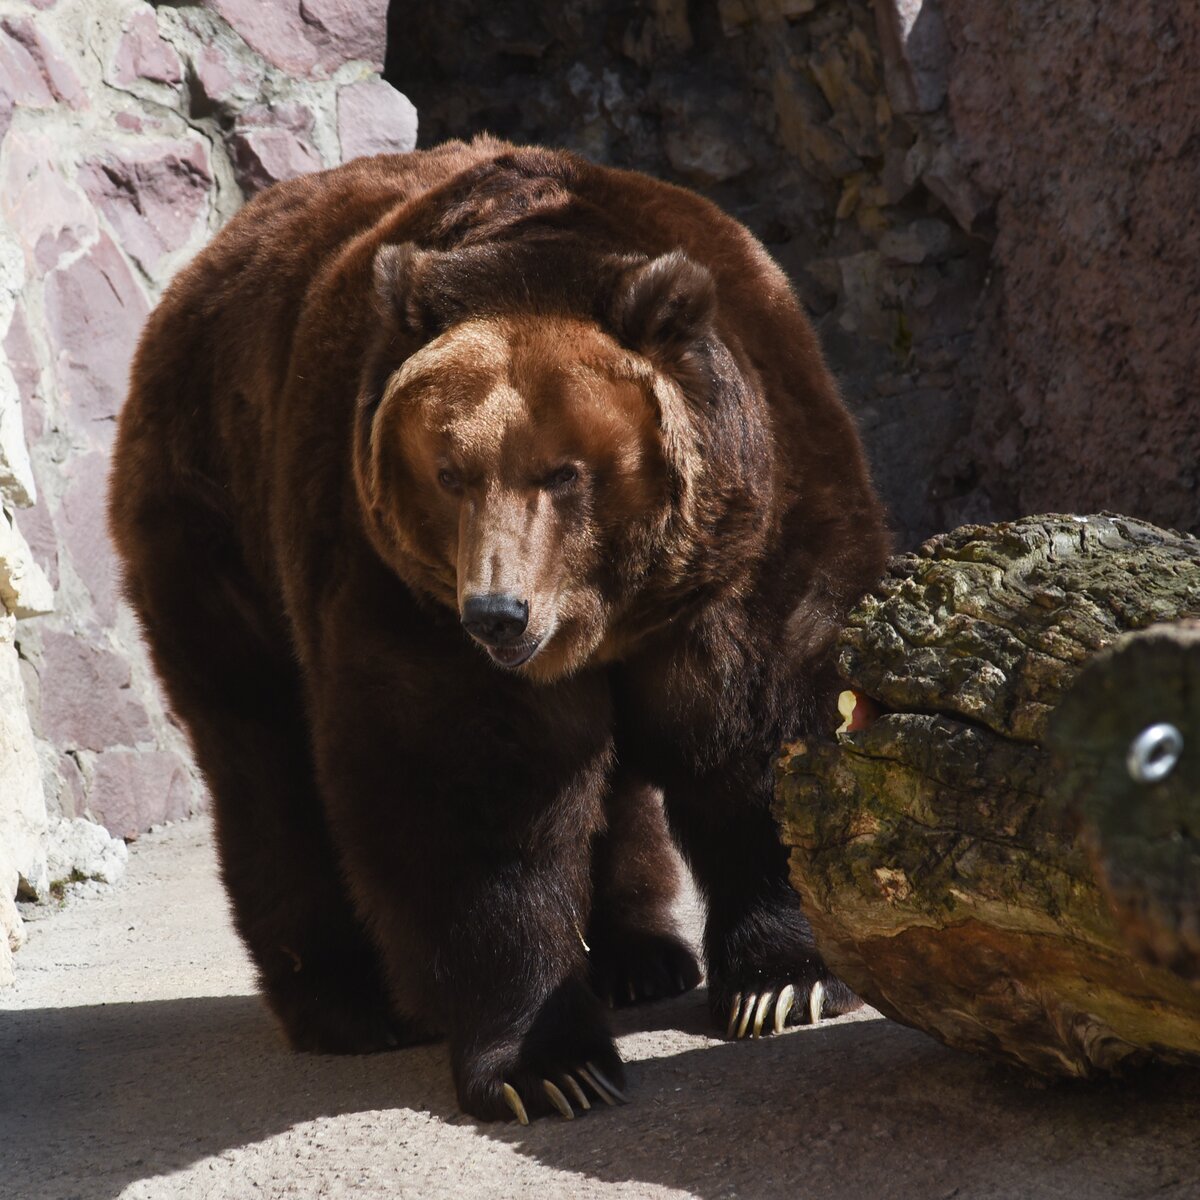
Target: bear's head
x=543 y=472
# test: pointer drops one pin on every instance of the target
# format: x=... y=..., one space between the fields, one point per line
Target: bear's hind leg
x=635 y=951
x=231 y=679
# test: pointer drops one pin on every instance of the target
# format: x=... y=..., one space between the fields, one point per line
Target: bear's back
x=246 y=378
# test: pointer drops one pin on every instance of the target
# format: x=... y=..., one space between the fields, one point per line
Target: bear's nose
x=495 y=618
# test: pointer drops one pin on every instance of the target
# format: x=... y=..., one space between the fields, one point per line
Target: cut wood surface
x=940 y=850
x=1128 y=738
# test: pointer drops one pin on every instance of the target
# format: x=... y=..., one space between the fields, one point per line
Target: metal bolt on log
x=1003 y=846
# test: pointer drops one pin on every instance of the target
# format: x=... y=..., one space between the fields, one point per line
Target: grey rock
x=706 y=149
x=916 y=55
x=76 y=846
x=924 y=240
x=953 y=186
x=865 y=293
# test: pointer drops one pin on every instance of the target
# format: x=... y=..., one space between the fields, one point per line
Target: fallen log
x=961 y=864
x=1128 y=738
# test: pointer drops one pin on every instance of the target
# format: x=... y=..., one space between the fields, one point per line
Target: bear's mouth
x=513 y=656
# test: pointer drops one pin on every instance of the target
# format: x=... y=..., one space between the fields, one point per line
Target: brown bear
x=478 y=504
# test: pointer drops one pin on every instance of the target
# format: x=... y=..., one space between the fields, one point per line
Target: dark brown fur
x=414 y=840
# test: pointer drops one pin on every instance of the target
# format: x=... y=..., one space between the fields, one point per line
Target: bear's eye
x=561 y=479
x=449 y=480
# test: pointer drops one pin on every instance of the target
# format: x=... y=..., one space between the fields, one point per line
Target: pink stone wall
x=128 y=135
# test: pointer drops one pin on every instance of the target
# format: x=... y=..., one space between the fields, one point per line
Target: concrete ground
x=136 y=1062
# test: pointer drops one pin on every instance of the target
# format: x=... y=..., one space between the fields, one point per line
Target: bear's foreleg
x=464 y=802
x=764 y=970
x=704 y=716
x=635 y=951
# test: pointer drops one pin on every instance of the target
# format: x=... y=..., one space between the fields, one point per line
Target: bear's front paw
x=763 y=1005
x=635 y=966
x=566 y=1061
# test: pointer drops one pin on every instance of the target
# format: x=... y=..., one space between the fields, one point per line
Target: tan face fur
x=517 y=456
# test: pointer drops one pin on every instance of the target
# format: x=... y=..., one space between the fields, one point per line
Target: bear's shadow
x=112 y=1094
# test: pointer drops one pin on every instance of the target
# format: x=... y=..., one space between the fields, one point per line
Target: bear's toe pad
x=640 y=967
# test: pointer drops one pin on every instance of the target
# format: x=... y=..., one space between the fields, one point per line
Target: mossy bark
x=1128 y=738
x=939 y=849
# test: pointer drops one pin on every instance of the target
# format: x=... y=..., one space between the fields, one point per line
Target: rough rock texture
x=24 y=592
x=128 y=134
x=937 y=846
x=985 y=206
x=310 y=38
x=1088 y=365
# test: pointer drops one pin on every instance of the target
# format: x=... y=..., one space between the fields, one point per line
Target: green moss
x=58 y=887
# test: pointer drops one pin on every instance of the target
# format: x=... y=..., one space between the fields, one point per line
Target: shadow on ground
x=852 y=1108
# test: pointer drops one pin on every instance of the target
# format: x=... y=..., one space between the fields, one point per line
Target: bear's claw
x=558 y=1100
x=815 y=999
x=577 y=1092
x=591 y=1074
x=749 y=1011
x=513 y=1099
x=609 y=1092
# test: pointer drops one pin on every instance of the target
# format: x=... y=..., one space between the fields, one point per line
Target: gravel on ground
x=137 y=1062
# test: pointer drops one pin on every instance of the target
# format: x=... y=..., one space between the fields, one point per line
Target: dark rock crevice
x=951 y=190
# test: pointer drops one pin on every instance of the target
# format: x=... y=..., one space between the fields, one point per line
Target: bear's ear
x=665 y=309
x=399 y=272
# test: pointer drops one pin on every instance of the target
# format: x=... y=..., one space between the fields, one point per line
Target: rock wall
x=24 y=592
x=128 y=134
x=986 y=208
x=1083 y=121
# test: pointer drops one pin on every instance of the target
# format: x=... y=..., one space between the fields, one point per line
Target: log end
x=937 y=847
